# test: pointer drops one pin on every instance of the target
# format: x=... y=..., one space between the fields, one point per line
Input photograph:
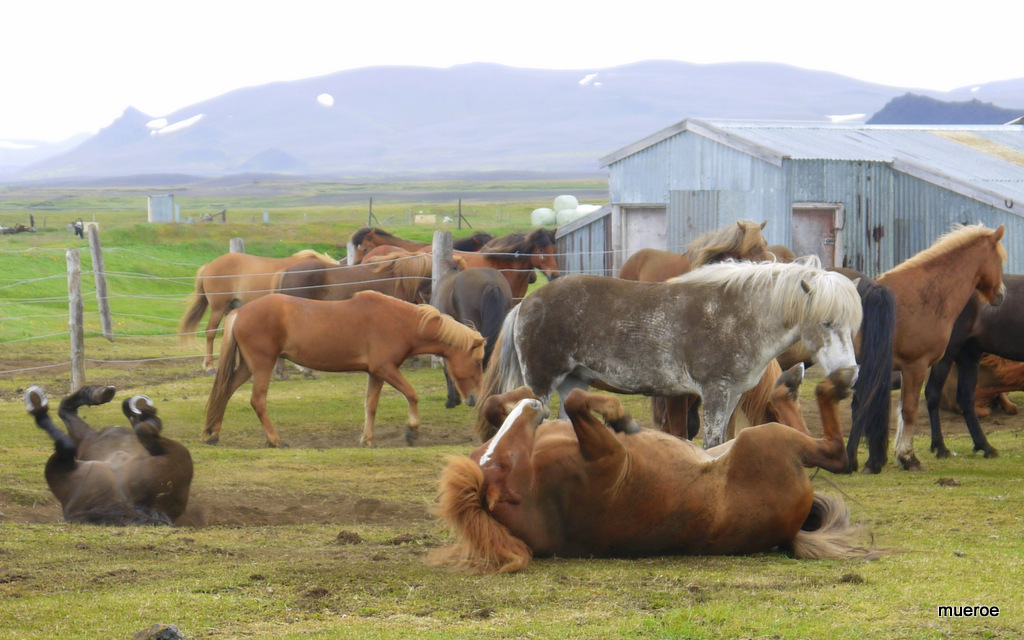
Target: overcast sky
x=72 y=66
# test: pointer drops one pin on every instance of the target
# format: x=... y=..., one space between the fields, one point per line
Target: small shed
x=161 y=208
x=865 y=197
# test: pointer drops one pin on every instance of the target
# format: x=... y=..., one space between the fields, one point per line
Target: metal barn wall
x=588 y=248
x=888 y=215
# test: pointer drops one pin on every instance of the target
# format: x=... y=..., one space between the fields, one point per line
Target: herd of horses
x=725 y=328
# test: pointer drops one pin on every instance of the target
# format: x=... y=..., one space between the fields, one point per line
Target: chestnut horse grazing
x=371 y=332
x=711 y=332
x=740 y=241
x=931 y=289
x=114 y=475
x=577 y=488
x=231 y=280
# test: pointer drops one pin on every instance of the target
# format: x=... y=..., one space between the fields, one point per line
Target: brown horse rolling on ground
x=370 y=332
x=114 y=475
x=577 y=488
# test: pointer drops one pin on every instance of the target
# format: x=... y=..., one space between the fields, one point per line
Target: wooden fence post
x=441 y=257
x=75 y=322
x=100 y=275
x=236 y=245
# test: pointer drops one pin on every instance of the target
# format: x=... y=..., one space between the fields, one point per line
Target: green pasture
x=325 y=539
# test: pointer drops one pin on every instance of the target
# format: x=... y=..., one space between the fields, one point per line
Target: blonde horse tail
x=828 y=534
x=217 y=404
x=484 y=544
x=195 y=312
x=503 y=372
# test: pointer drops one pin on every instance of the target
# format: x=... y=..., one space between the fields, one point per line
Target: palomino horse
x=478 y=297
x=231 y=280
x=740 y=241
x=873 y=343
x=371 y=332
x=367 y=238
x=113 y=475
x=979 y=329
x=577 y=488
x=516 y=255
x=931 y=289
x=711 y=332
x=403 y=276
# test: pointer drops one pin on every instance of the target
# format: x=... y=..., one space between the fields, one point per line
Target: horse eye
x=827 y=325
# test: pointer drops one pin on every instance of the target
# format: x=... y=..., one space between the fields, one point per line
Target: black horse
x=979 y=329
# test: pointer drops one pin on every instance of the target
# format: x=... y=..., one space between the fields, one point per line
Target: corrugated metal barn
x=864 y=197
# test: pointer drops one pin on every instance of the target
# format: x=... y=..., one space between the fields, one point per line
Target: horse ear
x=997 y=235
x=856 y=282
x=764 y=223
x=806 y=287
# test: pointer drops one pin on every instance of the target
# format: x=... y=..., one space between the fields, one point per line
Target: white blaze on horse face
x=506 y=426
x=836 y=352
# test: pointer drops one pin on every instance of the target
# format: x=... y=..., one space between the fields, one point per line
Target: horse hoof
x=911 y=463
x=35 y=399
x=989 y=452
x=451 y=404
x=211 y=440
x=941 y=452
x=101 y=395
x=871 y=468
x=211 y=372
x=411 y=436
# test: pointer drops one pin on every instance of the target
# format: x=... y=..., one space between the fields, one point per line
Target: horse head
x=544 y=253
x=990 y=273
x=833 y=315
x=466 y=368
x=506 y=460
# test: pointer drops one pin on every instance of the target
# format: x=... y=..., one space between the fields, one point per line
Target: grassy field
x=328 y=540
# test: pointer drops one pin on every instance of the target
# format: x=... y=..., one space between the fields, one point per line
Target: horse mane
x=450 y=332
x=960 y=236
x=833 y=298
x=407 y=268
x=310 y=253
x=520 y=242
x=360 y=234
x=737 y=238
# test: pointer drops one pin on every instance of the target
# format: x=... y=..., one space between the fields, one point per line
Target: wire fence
x=145 y=307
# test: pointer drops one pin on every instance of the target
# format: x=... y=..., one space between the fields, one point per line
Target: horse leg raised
x=65 y=449
x=910 y=391
x=829 y=452
x=597 y=440
x=967 y=382
x=83 y=397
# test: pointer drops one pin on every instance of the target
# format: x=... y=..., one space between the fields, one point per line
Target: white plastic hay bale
x=565 y=216
x=542 y=217
x=587 y=209
x=566 y=202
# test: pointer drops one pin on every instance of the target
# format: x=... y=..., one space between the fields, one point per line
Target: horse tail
x=195 y=312
x=217 y=404
x=494 y=306
x=503 y=373
x=828 y=534
x=872 y=391
x=484 y=544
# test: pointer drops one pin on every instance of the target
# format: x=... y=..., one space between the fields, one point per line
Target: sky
x=69 y=67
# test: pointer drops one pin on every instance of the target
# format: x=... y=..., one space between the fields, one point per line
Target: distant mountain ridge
x=916 y=109
x=381 y=121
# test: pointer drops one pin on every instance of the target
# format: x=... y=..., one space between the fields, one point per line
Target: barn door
x=817 y=229
x=643 y=228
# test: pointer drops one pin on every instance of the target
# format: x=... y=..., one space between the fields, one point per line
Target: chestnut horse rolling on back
x=371 y=332
x=114 y=475
x=577 y=488
x=231 y=280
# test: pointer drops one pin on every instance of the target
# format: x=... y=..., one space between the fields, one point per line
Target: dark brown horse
x=371 y=332
x=931 y=289
x=404 y=276
x=979 y=329
x=516 y=256
x=231 y=280
x=478 y=297
x=113 y=475
x=741 y=241
x=583 y=488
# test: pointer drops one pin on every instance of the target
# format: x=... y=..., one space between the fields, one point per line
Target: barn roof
x=987 y=158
